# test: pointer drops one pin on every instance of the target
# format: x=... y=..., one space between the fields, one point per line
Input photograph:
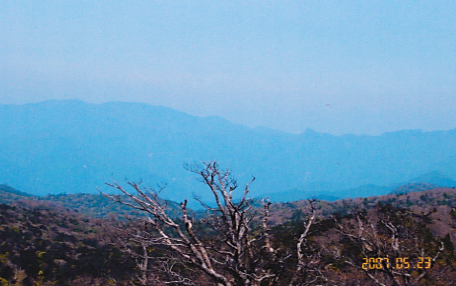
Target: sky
x=362 y=67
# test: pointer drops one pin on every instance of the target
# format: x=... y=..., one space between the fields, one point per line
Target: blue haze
x=72 y=146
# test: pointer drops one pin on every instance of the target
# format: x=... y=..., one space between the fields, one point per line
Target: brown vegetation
x=296 y=243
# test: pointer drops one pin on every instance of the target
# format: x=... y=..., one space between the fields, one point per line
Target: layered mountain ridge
x=71 y=146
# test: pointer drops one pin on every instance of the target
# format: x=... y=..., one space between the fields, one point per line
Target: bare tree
x=134 y=238
x=233 y=253
x=307 y=263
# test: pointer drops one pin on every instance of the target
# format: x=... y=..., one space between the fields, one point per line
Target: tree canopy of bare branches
x=234 y=253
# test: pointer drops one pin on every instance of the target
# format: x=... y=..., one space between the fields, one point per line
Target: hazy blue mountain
x=436 y=178
x=327 y=193
x=297 y=194
x=365 y=191
x=413 y=187
x=428 y=181
x=8 y=189
x=72 y=146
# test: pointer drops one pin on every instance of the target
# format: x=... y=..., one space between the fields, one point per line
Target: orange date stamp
x=397 y=263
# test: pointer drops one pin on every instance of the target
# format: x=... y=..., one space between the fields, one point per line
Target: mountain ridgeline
x=65 y=146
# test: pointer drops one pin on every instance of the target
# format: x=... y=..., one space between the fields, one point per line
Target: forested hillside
x=44 y=243
x=93 y=205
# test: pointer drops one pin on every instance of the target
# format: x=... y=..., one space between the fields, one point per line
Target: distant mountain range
x=71 y=146
x=429 y=181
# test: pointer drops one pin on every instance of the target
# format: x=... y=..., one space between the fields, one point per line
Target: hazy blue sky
x=333 y=66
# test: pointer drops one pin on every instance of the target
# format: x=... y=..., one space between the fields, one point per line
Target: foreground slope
x=47 y=244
